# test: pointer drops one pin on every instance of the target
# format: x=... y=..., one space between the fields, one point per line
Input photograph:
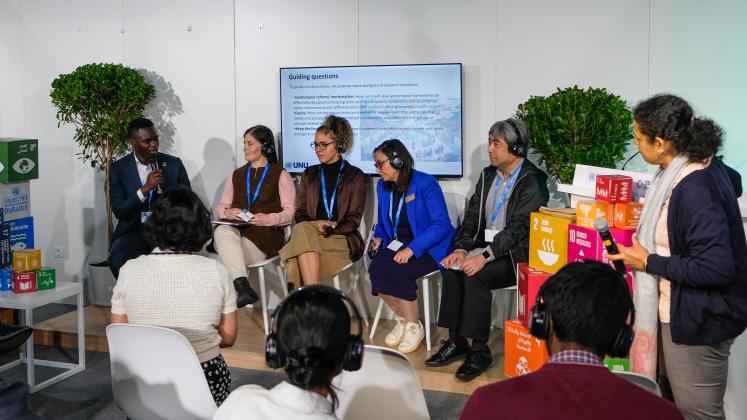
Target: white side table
x=26 y=302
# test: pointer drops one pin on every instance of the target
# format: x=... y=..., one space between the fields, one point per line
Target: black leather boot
x=246 y=295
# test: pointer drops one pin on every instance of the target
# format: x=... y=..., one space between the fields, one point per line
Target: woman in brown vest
x=266 y=190
x=329 y=206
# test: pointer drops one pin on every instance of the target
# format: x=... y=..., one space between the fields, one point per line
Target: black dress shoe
x=246 y=295
x=474 y=365
x=447 y=353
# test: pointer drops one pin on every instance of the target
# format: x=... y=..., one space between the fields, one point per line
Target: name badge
x=490 y=234
x=245 y=215
x=395 y=245
x=144 y=215
x=410 y=198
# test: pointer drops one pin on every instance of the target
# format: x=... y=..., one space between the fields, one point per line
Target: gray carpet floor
x=88 y=394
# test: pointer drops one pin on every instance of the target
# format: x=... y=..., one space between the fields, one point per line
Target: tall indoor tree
x=99 y=100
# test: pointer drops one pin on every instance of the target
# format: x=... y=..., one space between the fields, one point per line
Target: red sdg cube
x=24 y=282
x=527 y=286
x=614 y=188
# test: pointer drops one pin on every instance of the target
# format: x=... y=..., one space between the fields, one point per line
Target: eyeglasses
x=380 y=163
x=320 y=146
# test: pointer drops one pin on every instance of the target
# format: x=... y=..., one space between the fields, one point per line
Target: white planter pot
x=101 y=281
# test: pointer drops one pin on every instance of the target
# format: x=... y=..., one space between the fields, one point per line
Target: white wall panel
x=186 y=48
x=67 y=201
x=294 y=33
x=394 y=32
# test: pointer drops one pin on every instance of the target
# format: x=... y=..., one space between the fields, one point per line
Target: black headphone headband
x=519 y=148
x=353 y=357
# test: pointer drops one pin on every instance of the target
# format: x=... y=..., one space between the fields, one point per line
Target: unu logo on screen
x=297 y=165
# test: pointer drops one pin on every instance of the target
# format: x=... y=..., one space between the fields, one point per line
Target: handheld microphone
x=154 y=167
x=602 y=226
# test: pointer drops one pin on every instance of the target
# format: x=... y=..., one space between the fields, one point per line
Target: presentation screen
x=421 y=105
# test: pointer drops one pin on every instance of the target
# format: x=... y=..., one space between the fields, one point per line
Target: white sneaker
x=395 y=336
x=412 y=338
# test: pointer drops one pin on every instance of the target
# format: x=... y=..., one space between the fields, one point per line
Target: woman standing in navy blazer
x=413 y=233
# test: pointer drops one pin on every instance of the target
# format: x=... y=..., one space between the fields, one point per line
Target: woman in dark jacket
x=329 y=206
x=690 y=256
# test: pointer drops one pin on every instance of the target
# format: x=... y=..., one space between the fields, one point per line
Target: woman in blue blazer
x=413 y=233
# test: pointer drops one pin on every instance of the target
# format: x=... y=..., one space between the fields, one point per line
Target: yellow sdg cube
x=548 y=242
x=27 y=260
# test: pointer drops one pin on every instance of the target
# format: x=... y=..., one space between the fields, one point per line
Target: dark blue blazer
x=708 y=266
x=124 y=183
x=427 y=214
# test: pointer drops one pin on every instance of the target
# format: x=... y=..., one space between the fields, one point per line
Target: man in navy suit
x=134 y=183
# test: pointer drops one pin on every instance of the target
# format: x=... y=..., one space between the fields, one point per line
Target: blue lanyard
x=150 y=198
x=329 y=205
x=259 y=185
x=399 y=211
x=497 y=208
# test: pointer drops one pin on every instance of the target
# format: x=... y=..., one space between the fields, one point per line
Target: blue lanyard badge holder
x=395 y=244
x=329 y=205
x=246 y=215
x=490 y=233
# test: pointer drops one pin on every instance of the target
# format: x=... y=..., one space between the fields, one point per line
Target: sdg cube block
x=19 y=159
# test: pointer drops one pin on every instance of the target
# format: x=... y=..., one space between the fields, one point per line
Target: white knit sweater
x=184 y=292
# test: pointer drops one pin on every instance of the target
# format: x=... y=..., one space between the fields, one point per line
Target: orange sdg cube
x=26 y=260
x=523 y=353
x=627 y=215
x=588 y=211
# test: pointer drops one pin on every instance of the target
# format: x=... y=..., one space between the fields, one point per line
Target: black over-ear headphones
x=353 y=357
x=539 y=326
x=519 y=148
x=268 y=149
x=396 y=161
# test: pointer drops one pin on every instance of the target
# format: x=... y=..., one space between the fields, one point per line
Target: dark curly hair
x=179 y=222
x=340 y=130
x=313 y=328
x=393 y=147
x=671 y=118
x=588 y=303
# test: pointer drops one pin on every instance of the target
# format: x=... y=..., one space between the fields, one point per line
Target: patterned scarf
x=646 y=291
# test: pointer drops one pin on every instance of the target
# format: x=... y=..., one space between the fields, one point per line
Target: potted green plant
x=577 y=126
x=99 y=100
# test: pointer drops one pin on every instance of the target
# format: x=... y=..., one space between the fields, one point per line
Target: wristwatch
x=486 y=254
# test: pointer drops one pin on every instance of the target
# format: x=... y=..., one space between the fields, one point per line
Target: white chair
x=352 y=269
x=260 y=266
x=385 y=387
x=156 y=374
x=455 y=205
x=642 y=381
x=426 y=286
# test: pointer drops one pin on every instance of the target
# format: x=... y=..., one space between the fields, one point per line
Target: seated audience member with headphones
x=491 y=240
x=584 y=312
x=264 y=189
x=313 y=344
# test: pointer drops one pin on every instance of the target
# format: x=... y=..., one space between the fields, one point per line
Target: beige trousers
x=333 y=251
x=235 y=251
